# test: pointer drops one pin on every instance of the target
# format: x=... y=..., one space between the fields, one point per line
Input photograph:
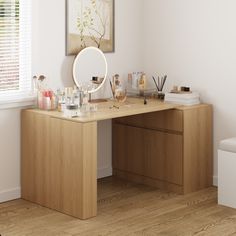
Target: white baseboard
x=10 y=194
x=215 y=181
x=104 y=172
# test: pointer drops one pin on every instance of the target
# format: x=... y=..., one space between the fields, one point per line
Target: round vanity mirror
x=90 y=69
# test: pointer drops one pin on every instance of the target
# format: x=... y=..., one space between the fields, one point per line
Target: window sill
x=22 y=102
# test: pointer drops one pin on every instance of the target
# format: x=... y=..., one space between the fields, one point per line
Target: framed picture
x=90 y=23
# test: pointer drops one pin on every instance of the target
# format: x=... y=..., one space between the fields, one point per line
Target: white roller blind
x=15 y=49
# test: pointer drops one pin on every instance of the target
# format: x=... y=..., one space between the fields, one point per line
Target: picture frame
x=89 y=23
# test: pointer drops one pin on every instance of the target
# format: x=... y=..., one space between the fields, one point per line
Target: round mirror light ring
x=75 y=63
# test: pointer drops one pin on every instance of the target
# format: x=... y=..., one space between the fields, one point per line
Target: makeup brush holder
x=160 y=95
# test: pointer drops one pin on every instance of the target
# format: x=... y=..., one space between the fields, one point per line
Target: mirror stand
x=99 y=100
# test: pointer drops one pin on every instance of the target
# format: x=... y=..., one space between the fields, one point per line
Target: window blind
x=15 y=49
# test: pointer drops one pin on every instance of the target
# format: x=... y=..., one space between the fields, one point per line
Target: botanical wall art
x=90 y=23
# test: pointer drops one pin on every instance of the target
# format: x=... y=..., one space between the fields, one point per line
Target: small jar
x=71 y=111
x=93 y=107
x=61 y=106
x=47 y=103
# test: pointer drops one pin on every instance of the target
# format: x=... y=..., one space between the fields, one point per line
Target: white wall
x=9 y=154
x=48 y=58
x=194 y=43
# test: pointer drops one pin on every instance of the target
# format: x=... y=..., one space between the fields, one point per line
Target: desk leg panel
x=59 y=164
x=74 y=167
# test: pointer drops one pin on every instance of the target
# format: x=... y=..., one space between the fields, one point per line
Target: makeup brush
x=159 y=84
x=155 y=83
x=113 y=94
x=163 y=81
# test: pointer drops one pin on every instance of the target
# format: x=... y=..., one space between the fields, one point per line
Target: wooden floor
x=126 y=209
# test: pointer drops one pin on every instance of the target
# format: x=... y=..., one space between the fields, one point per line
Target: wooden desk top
x=132 y=106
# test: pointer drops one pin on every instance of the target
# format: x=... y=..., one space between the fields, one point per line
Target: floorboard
x=125 y=208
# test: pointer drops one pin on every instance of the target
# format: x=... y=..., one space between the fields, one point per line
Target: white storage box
x=227 y=173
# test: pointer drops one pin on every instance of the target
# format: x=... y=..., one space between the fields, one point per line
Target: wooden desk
x=59 y=155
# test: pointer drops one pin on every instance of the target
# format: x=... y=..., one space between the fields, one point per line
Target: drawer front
x=171 y=120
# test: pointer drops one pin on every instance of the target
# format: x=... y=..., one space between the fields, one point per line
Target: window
x=15 y=49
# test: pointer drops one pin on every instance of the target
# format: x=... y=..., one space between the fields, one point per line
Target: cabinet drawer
x=162 y=120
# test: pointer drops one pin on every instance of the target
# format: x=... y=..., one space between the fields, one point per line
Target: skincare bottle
x=85 y=106
x=129 y=80
x=61 y=102
x=76 y=96
x=68 y=95
x=135 y=80
x=46 y=103
x=53 y=102
x=142 y=82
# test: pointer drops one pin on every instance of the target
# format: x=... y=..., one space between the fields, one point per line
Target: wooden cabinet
x=168 y=149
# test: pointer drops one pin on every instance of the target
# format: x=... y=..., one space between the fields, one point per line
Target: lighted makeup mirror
x=90 y=69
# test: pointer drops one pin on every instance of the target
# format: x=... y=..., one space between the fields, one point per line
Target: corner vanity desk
x=159 y=144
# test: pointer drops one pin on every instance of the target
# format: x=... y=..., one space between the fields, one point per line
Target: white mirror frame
x=75 y=63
